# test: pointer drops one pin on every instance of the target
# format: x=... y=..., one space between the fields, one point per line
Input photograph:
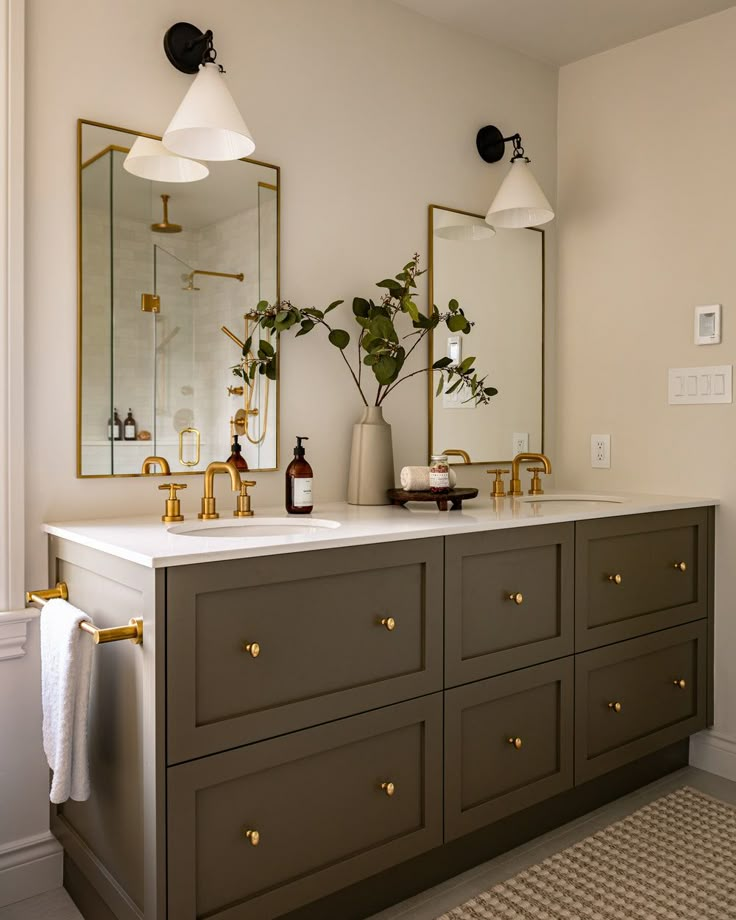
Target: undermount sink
x=576 y=499
x=254 y=528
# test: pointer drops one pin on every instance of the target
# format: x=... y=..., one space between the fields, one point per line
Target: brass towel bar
x=133 y=632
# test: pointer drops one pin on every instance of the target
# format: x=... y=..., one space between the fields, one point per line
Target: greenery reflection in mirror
x=499 y=279
x=163 y=267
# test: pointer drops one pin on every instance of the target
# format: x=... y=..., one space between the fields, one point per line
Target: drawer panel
x=323 y=652
x=486 y=775
x=486 y=632
x=316 y=799
x=638 y=696
x=628 y=576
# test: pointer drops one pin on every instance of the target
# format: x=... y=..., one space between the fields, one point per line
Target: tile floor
x=56 y=905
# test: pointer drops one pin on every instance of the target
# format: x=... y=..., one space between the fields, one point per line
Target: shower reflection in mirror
x=163 y=267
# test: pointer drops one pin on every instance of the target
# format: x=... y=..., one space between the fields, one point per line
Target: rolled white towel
x=416 y=478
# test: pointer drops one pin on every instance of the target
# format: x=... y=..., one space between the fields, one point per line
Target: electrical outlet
x=600 y=451
x=520 y=443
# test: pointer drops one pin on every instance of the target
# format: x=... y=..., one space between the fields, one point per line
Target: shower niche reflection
x=169 y=273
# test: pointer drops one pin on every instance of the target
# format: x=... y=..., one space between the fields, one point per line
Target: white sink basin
x=255 y=528
x=560 y=501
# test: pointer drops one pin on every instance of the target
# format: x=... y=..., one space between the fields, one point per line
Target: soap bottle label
x=302 y=493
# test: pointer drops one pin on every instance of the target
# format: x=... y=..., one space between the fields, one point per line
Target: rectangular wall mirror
x=163 y=267
x=499 y=282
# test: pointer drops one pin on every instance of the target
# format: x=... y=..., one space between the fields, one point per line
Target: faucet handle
x=497 y=489
x=536 y=488
x=244 y=509
x=173 y=505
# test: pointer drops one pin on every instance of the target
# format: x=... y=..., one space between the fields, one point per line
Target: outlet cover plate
x=600 y=451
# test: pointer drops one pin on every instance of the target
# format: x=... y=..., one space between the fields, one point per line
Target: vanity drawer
x=486 y=776
x=323 y=652
x=628 y=574
x=316 y=799
x=487 y=632
x=638 y=696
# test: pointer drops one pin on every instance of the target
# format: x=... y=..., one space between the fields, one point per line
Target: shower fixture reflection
x=189 y=279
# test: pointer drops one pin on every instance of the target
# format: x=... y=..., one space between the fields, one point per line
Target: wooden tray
x=455 y=497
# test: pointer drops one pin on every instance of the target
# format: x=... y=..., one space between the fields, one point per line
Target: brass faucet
x=457 y=453
x=150 y=462
x=209 y=509
x=515 y=488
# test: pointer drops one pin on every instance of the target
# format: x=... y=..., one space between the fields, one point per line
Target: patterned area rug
x=674 y=859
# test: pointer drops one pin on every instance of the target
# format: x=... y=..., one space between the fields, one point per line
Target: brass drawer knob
x=681 y=683
x=253 y=837
x=615 y=707
x=388 y=788
x=516 y=742
x=681 y=566
x=615 y=579
x=252 y=648
x=517 y=598
x=389 y=623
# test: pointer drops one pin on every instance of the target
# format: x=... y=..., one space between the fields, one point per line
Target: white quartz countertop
x=148 y=542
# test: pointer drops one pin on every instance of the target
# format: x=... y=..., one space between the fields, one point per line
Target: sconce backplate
x=183 y=46
x=490 y=144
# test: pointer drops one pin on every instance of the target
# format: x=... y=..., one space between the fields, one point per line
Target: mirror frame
x=80 y=165
x=430 y=302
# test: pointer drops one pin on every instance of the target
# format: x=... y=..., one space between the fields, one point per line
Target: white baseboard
x=714 y=752
x=29 y=867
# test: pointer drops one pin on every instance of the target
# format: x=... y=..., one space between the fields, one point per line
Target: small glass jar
x=439 y=474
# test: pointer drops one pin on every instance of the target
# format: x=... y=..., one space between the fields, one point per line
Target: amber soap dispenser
x=299 y=482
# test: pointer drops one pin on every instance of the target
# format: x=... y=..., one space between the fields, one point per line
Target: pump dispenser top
x=299 y=450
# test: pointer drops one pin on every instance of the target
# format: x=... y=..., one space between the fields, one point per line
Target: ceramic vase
x=371 y=460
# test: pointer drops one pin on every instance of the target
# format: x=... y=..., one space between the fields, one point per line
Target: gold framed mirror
x=168 y=275
x=499 y=278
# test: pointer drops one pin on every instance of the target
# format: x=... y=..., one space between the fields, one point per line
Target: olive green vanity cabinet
x=317 y=734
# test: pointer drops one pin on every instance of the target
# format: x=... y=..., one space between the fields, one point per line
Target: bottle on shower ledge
x=130 y=429
x=114 y=428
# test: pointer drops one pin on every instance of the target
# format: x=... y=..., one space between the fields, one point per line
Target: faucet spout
x=209 y=509
x=523 y=458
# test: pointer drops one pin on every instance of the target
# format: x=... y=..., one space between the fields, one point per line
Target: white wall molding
x=29 y=867
x=14 y=632
x=714 y=752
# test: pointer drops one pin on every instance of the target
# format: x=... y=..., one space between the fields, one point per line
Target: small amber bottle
x=299 y=482
x=236 y=457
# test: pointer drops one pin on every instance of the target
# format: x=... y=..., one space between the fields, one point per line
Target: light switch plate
x=691 y=386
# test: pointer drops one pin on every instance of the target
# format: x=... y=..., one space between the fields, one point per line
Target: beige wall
x=370 y=110
x=647 y=142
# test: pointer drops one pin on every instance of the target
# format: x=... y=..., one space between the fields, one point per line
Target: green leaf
x=361 y=307
x=456 y=323
x=266 y=348
x=490 y=391
x=456 y=384
x=307 y=326
x=465 y=365
x=443 y=362
x=339 y=338
x=412 y=309
x=370 y=360
x=385 y=369
x=333 y=305
x=282 y=316
x=313 y=311
x=454 y=306
x=440 y=384
x=262 y=306
x=383 y=328
x=271 y=370
x=390 y=284
x=247 y=346
x=253 y=370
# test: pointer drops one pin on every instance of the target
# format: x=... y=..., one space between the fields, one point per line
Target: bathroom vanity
x=403 y=695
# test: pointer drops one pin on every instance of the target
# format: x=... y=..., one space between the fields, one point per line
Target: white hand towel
x=66 y=670
x=416 y=478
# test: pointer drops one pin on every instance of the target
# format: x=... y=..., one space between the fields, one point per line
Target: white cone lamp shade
x=207 y=125
x=149 y=159
x=520 y=202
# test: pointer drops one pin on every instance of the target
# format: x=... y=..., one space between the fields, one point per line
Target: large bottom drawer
x=638 y=696
x=508 y=744
x=258 y=831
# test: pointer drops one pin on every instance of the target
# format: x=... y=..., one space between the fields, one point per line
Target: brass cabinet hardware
x=388 y=788
x=681 y=566
x=389 y=623
x=615 y=579
x=150 y=303
x=516 y=489
x=149 y=462
x=252 y=648
x=133 y=631
x=244 y=509
x=456 y=452
x=173 y=505
x=253 y=837
x=681 y=683
x=615 y=707
x=197 y=445
x=497 y=487
x=209 y=506
x=515 y=742
x=536 y=486
x=517 y=598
